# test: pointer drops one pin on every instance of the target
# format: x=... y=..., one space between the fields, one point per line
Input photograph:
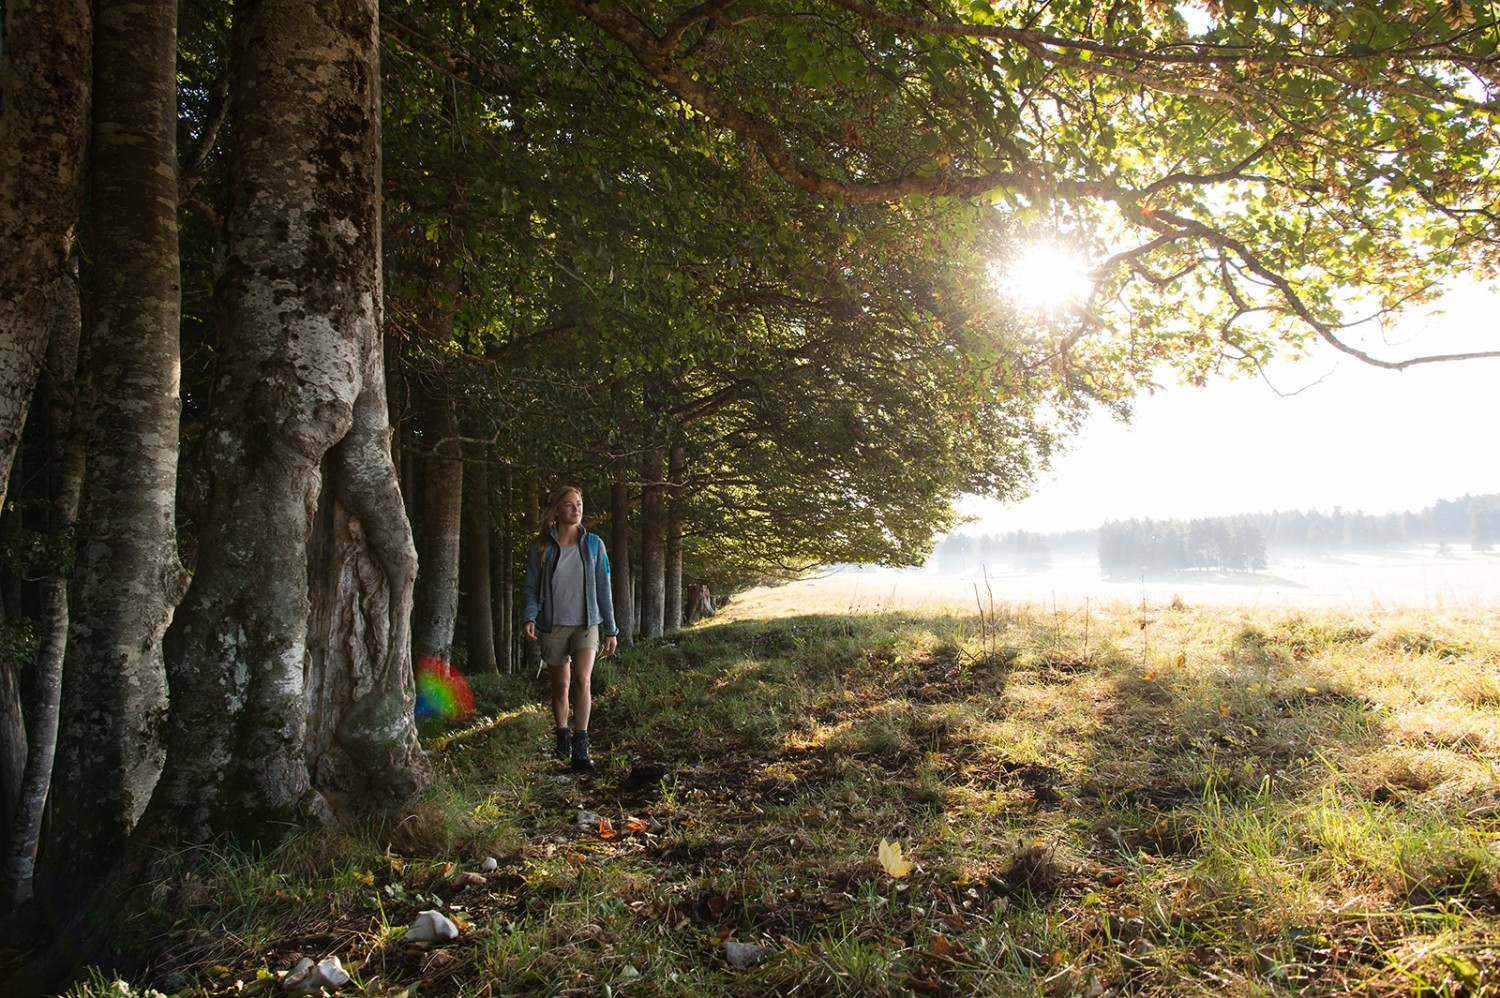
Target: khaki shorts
x=561 y=642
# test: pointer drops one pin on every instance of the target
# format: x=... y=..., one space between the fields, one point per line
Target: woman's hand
x=609 y=646
x=528 y=630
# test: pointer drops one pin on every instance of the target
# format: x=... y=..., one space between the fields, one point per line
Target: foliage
x=836 y=372
x=1244 y=177
x=1111 y=800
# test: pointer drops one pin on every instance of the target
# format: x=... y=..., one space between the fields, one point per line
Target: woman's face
x=570 y=509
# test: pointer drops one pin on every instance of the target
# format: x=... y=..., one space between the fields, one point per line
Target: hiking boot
x=581 y=761
x=564 y=743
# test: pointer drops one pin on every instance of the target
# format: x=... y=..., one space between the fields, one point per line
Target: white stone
x=489 y=865
x=745 y=954
x=307 y=977
x=432 y=927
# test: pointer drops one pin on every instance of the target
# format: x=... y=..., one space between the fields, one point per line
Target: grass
x=1103 y=801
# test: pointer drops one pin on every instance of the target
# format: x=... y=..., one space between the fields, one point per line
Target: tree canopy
x=1243 y=176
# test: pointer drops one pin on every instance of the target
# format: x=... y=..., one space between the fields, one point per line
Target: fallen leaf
x=942 y=947
x=606 y=829
x=892 y=860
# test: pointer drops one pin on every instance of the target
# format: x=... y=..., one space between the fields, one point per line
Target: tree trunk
x=363 y=753
x=45 y=79
x=301 y=374
x=676 y=470
x=653 y=542
x=621 y=583
x=503 y=579
x=66 y=454
x=127 y=579
x=442 y=533
x=474 y=561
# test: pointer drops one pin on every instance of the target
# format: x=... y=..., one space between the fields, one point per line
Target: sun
x=1046 y=277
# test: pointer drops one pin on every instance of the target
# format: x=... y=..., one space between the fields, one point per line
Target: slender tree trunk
x=621 y=582
x=442 y=533
x=127 y=579
x=66 y=453
x=474 y=561
x=676 y=471
x=45 y=81
x=10 y=576
x=502 y=573
x=302 y=374
x=653 y=542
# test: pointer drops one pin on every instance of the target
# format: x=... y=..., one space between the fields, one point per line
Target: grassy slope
x=1104 y=800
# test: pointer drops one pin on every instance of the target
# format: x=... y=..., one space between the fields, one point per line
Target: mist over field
x=1420 y=578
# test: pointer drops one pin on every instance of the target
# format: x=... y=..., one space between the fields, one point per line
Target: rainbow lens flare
x=442 y=691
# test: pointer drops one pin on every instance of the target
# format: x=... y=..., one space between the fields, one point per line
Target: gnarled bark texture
x=45 y=54
x=302 y=396
x=127 y=579
x=362 y=750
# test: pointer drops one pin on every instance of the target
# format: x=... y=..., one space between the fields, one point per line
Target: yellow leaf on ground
x=892 y=860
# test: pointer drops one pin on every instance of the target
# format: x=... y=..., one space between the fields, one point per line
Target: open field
x=1095 y=800
x=1410 y=580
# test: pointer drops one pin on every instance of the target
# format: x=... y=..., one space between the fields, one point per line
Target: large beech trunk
x=127 y=579
x=45 y=53
x=301 y=428
x=436 y=612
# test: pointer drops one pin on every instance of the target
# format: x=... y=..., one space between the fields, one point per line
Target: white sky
x=1361 y=438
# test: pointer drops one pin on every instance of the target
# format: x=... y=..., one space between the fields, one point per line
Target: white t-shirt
x=567 y=587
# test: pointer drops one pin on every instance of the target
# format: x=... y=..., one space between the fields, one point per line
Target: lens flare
x=442 y=691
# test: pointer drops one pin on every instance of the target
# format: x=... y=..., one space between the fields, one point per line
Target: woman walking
x=569 y=608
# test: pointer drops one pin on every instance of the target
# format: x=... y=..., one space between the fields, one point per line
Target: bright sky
x=1362 y=438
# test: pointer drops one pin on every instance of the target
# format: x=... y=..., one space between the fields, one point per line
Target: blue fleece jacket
x=598 y=599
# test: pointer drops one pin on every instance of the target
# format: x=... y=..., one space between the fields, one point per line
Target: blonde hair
x=549 y=518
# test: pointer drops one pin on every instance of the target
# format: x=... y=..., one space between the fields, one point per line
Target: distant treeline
x=1019 y=549
x=1234 y=543
x=1472 y=520
x=1227 y=544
